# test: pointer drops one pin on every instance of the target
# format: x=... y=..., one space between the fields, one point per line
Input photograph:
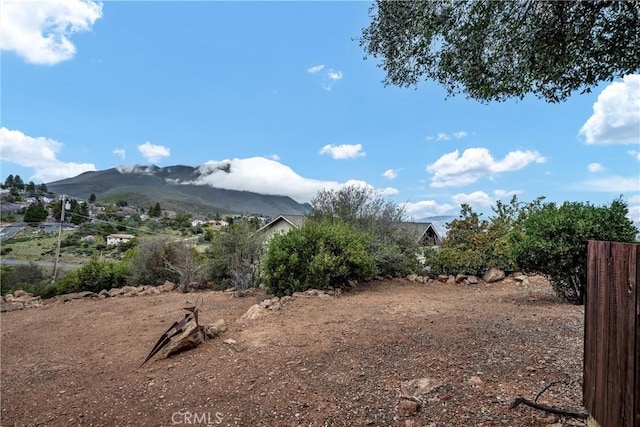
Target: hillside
x=146 y=185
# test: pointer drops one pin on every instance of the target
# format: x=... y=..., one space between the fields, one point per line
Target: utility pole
x=55 y=262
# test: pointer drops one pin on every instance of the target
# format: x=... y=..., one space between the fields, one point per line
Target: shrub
x=317 y=255
x=26 y=277
x=553 y=241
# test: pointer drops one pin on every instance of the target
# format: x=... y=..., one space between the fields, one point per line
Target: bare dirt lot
x=332 y=361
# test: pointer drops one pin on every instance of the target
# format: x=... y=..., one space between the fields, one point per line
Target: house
x=116 y=239
x=424 y=233
x=281 y=224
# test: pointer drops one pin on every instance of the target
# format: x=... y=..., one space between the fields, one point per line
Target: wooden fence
x=612 y=334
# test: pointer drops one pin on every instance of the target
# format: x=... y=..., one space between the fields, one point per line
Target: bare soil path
x=331 y=361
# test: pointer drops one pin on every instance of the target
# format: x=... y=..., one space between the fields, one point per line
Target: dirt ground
x=333 y=361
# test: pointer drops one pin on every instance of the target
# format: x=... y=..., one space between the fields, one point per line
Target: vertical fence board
x=612 y=335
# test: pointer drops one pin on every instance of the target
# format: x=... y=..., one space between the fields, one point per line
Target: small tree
x=553 y=241
x=92 y=198
x=367 y=211
x=35 y=213
x=234 y=256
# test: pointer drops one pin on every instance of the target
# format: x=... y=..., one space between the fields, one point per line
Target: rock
x=493 y=275
x=20 y=293
x=412 y=277
x=230 y=290
x=472 y=280
x=451 y=280
x=87 y=294
x=11 y=306
x=103 y=294
x=253 y=313
x=114 y=292
x=129 y=290
x=418 y=387
x=275 y=307
x=299 y=295
x=285 y=299
x=212 y=330
x=408 y=407
x=189 y=338
x=311 y=292
x=353 y=284
x=88 y=239
x=230 y=341
x=168 y=286
x=8 y=297
x=151 y=291
x=460 y=278
x=475 y=381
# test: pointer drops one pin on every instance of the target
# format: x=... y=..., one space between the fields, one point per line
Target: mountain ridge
x=173 y=188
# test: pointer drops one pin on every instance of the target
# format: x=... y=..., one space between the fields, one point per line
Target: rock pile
x=20 y=299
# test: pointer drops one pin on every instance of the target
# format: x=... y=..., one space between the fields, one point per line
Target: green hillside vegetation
x=353 y=235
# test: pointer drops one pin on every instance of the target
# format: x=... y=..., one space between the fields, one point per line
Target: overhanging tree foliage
x=494 y=50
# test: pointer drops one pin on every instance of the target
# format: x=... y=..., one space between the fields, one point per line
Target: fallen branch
x=551 y=409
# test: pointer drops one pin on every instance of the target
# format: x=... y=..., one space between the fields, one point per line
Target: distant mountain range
x=173 y=187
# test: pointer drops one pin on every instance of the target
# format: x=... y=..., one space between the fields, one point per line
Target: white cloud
x=390 y=173
x=343 y=151
x=611 y=184
x=274 y=157
x=634 y=199
x=482 y=199
x=266 y=176
x=595 y=167
x=334 y=75
x=39 y=153
x=441 y=136
x=453 y=170
x=634 y=215
x=330 y=79
x=425 y=208
x=40 y=31
x=635 y=154
x=459 y=135
x=616 y=114
x=153 y=153
x=315 y=69
x=120 y=152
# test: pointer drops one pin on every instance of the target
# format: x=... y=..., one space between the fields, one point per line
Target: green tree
x=367 y=211
x=155 y=211
x=92 y=198
x=30 y=187
x=553 y=241
x=234 y=255
x=317 y=255
x=35 y=213
x=18 y=183
x=42 y=188
x=8 y=183
x=494 y=50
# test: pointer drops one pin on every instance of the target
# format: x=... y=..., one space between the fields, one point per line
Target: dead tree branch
x=550 y=409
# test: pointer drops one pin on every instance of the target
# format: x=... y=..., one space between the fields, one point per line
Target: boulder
x=472 y=280
x=114 y=292
x=189 y=338
x=132 y=290
x=103 y=294
x=11 y=306
x=493 y=275
x=253 y=313
x=168 y=286
x=460 y=278
x=214 y=329
x=20 y=293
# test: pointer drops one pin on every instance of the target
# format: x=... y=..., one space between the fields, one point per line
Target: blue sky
x=280 y=90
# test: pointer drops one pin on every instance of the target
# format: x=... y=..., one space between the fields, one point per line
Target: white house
x=116 y=239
